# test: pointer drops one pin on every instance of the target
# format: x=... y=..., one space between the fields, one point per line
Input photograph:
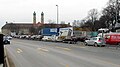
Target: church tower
x=42 y=18
x=34 y=18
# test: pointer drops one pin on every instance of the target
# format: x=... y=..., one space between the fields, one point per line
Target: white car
x=47 y=38
x=95 y=41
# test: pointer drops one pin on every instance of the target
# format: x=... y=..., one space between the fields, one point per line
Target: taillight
x=99 y=40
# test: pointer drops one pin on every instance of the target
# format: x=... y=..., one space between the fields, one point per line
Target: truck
x=112 y=38
x=48 y=33
x=64 y=33
x=69 y=35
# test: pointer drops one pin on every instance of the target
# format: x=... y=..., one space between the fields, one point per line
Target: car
x=82 y=38
x=95 y=41
x=70 y=40
x=47 y=38
x=9 y=37
x=6 y=40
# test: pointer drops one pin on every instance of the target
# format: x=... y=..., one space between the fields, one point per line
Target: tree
x=92 y=18
x=111 y=12
x=103 y=22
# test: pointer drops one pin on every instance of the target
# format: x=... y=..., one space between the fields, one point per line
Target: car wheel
x=95 y=44
x=118 y=45
x=103 y=45
x=85 y=43
x=69 y=42
x=9 y=43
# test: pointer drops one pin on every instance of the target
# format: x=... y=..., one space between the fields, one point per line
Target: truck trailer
x=48 y=33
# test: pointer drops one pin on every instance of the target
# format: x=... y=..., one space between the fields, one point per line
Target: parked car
x=9 y=37
x=82 y=38
x=33 y=37
x=47 y=38
x=70 y=40
x=95 y=41
x=38 y=37
x=6 y=40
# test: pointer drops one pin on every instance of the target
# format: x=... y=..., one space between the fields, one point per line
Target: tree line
x=108 y=18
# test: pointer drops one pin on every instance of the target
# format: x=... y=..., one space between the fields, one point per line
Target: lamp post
x=57 y=14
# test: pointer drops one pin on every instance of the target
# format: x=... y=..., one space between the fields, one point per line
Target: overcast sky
x=69 y=10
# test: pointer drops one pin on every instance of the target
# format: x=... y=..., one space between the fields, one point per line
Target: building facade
x=29 y=28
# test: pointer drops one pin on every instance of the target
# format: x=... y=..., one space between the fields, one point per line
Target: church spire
x=42 y=18
x=34 y=18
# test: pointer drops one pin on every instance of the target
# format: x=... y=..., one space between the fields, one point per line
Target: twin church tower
x=34 y=18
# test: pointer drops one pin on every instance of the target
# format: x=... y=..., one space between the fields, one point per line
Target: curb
x=6 y=62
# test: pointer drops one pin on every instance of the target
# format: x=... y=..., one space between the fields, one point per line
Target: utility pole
x=57 y=14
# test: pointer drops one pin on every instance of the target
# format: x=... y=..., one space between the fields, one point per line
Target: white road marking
x=63 y=48
x=19 y=50
x=43 y=49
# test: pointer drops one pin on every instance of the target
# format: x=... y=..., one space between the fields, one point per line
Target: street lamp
x=57 y=14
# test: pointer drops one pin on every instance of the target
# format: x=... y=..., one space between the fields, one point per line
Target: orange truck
x=112 y=38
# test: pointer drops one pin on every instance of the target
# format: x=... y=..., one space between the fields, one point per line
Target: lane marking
x=43 y=49
x=67 y=65
x=19 y=50
x=66 y=49
x=58 y=47
x=82 y=47
x=63 y=48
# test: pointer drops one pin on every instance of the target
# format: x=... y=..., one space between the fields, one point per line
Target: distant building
x=29 y=28
x=18 y=28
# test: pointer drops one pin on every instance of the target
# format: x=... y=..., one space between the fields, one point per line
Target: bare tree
x=92 y=17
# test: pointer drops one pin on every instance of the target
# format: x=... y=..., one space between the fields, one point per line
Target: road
x=28 y=53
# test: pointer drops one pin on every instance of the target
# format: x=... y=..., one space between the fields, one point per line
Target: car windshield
x=94 y=38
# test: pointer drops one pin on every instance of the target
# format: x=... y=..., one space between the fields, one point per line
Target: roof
x=20 y=25
x=113 y=33
x=29 y=25
x=56 y=25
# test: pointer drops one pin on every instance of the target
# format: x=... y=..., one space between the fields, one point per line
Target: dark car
x=70 y=40
x=6 y=40
x=82 y=38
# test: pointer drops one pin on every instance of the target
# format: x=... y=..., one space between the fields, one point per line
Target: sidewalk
x=1 y=65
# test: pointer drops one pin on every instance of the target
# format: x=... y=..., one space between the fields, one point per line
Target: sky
x=69 y=10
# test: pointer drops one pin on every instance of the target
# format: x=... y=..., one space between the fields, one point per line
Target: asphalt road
x=28 y=53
